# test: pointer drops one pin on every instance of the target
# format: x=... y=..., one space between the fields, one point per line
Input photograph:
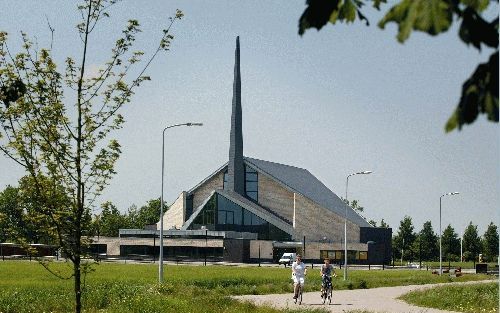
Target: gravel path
x=373 y=300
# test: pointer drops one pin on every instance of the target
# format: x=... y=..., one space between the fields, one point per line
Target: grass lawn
x=466 y=298
x=28 y=287
x=453 y=265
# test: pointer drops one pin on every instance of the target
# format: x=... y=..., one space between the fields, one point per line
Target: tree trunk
x=78 y=287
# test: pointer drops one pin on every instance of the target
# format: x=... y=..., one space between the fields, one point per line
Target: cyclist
x=299 y=272
x=326 y=272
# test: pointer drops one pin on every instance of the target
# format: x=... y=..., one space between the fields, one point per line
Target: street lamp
x=345 y=219
x=160 y=263
x=440 y=233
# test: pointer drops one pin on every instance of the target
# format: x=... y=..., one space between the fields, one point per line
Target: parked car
x=287 y=258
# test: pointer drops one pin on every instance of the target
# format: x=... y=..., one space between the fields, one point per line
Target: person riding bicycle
x=299 y=272
x=326 y=272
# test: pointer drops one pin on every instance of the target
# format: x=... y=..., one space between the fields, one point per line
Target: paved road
x=373 y=300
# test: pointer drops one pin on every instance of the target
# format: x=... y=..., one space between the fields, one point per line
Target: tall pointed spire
x=236 y=169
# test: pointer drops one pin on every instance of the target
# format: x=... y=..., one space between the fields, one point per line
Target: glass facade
x=220 y=213
x=251 y=183
x=338 y=255
x=189 y=207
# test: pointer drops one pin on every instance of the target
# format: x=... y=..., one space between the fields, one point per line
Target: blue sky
x=345 y=99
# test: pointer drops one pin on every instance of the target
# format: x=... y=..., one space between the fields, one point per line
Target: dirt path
x=373 y=300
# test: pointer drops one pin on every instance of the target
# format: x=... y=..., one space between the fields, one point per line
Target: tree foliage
x=11 y=214
x=471 y=243
x=405 y=238
x=450 y=244
x=110 y=221
x=383 y=224
x=146 y=215
x=20 y=221
x=354 y=204
x=64 y=144
x=480 y=91
x=428 y=243
x=490 y=242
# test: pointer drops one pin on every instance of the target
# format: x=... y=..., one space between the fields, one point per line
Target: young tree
x=480 y=91
x=63 y=145
x=490 y=242
x=450 y=243
x=428 y=243
x=471 y=243
x=403 y=241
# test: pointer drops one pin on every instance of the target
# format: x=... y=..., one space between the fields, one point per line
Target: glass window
x=363 y=255
x=189 y=207
x=351 y=255
x=247 y=217
x=232 y=217
x=339 y=255
x=207 y=215
x=251 y=176
x=224 y=183
x=251 y=184
x=233 y=210
x=257 y=220
x=253 y=195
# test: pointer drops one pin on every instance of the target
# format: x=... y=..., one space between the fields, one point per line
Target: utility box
x=481 y=268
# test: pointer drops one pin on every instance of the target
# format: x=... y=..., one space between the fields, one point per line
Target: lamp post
x=461 y=248
x=160 y=263
x=440 y=233
x=345 y=219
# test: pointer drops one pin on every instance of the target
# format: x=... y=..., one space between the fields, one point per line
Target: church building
x=259 y=209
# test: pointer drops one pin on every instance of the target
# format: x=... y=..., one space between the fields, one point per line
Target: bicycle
x=327 y=291
x=299 y=295
x=300 y=282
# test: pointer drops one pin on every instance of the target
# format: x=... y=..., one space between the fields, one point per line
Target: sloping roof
x=301 y=181
x=305 y=183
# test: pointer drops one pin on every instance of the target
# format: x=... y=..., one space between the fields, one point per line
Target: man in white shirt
x=299 y=272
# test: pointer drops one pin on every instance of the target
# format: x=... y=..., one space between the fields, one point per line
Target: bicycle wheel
x=330 y=295
x=300 y=295
x=323 y=296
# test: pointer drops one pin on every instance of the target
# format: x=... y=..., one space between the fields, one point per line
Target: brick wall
x=203 y=191
x=273 y=196
x=174 y=216
x=266 y=249
x=316 y=222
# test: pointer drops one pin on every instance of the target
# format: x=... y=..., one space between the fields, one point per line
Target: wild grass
x=28 y=287
x=464 y=298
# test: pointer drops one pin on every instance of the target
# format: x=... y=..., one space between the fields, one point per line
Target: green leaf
x=475 y=30
x=479 y=96
x=478 y=5
x=430 y=16
x=317 y=14
x=320 y=12
x=376 y=3
x=348 y=11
